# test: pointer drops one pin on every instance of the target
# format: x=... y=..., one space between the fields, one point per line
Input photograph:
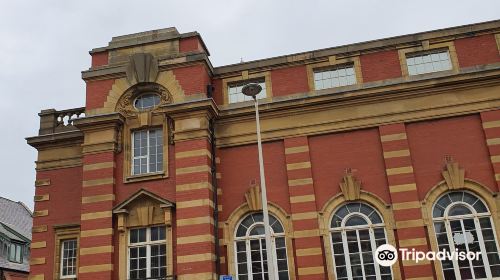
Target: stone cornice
x=362 y=47
x=400 y=101
x=189 y=108
x=192 y=119
x=165 y=63
x=99 y=122
x=376 y=92
x=55 y=140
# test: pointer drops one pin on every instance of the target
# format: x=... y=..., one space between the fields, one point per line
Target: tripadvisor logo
x=387 y=255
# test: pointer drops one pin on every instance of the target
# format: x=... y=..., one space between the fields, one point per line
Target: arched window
x=462 y=222
x=250 y=247
x=356 y=230
x=147 y=101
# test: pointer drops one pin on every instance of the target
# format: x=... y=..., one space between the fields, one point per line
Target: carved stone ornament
x=142 y=68
x=453 y=175
x=350 y=186
x=253 y=198
x=125 y=104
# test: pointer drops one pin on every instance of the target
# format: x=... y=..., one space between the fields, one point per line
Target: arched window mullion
x=248 y=252
x=346 y=252
x=374 y=245
x=486 y=262
x=451 y=246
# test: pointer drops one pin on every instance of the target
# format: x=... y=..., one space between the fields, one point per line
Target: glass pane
x=147 y=101
x=438 y=211
x=356 y=221
x=277 y=228
x=242 y=231
x=258 y=230
x=353 y=207
x=375 y=218
x=342 y=212
x=480 y=207
x=458 y=210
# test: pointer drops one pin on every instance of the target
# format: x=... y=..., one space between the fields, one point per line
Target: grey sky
x=45 y=44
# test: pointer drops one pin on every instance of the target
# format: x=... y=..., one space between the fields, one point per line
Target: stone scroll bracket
x=350 y=186
x=453 y=174
x=142 y=68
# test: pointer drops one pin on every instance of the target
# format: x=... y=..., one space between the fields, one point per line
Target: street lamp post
x=252 y=90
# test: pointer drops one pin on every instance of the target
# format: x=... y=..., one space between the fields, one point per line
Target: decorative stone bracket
x=453 y=175
x=253 y=198
x=350 y=186
x=142 y=68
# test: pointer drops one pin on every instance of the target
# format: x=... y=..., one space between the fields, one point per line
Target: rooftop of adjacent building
x=16 y=221
x=17 y=216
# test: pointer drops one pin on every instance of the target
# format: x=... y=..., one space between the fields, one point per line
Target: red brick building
x=389 y=141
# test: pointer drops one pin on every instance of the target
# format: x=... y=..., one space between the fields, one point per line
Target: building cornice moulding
x=312 y=114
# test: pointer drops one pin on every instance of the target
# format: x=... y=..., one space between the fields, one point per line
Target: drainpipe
x=215 y=199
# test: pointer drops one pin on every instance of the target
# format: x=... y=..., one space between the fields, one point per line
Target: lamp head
x=251 y=89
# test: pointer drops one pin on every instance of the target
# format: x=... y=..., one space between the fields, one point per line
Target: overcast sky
x=44 y=45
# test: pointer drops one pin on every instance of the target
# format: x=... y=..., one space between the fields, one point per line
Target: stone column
x=101 y=142
x=195 y=236
x=410 y=230
x=309 y=254
x=491 y=126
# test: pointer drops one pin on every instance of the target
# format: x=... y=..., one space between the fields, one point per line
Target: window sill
x=145 y=177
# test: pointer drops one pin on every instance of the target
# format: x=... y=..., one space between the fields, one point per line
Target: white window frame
x=247 y=238
x=18 y=248
x=343 y=230
x=422 y=55
x=61 y=266
x=148 y=243
x=333 y=70
x=475 y=216
x=261 y=95
x=148 y=155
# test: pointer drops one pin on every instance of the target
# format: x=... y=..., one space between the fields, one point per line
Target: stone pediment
x=144 y=208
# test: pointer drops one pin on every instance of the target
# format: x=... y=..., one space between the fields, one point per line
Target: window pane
x=147 y=151
x=339 y=76
x=68 y=257
x=235 y=94
x=428 y=62
x=355 y=221
x=147 y=101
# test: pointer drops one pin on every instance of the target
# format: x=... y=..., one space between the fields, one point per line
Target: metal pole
x=267 y=227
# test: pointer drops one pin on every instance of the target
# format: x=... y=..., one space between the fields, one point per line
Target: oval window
x=147 y=101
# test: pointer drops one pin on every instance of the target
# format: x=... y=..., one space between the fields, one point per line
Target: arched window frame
x=488 y=197
x=474 y=214
x=370 y=199
x=229 y=229
x=247 y=237
x=370 y=226
x=148 y=121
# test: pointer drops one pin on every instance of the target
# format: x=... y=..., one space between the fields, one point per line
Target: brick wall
x=193 y=79
x=97 y=92
x=99 y=59
x=190 y=44
x=380 y=66
x=461 y=138
x=289 y=80
x=477 y=50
